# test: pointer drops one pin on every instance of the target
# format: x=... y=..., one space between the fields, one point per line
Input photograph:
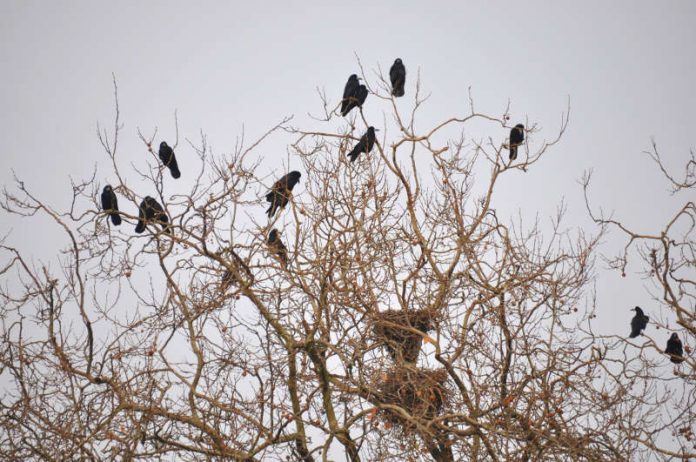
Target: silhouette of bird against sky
x=109 y=203
x=151 y=211
x=364 y=145
x=638 y=323
x=516 y=139
x=281 y=192
x=277 y=247
x=166 y=155
x=356 y=99
x=349 y=91
x=674 y=349
x=397 y=75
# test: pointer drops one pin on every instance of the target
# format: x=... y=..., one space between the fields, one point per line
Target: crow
x=166 y=155
x=228 y=277
x=364 y=145
x=639 y=322
x=674 y=349
x=348 y=92
x=356 y=100
x=151 y=210
x=109 y=204
x=516 y=139
x=397 y=75
x=281 y=192
x=277 y=247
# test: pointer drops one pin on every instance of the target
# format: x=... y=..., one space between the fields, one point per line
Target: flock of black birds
x=354 y=95
x=674 y=345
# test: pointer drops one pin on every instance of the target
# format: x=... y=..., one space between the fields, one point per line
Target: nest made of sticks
x=422 y=393
x=394 y=328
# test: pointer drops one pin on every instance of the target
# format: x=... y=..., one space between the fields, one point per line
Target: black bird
x=348 y=92
x=281 y=192
x=166 y=155
x=364 y=145
x=277 y=247
x=674 y=349
x=638 y=323
x=397 y=75
x=516 y=139
x=109 y=204
x=356 y=100
x=151 y=211
x=228 y=277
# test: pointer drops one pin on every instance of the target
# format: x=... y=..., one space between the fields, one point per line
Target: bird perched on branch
x=674 y=349
x=109 y=204
x=356 y=99
x=397 y=75
x=364 y=145
x=151 y=211
x=166 y=155
x=281 y=192
x=516 y=139
x=349 y=91
x=639 y=322
x=277 y=247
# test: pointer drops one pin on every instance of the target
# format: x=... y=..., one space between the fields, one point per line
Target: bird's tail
x=398 y=91
x=354 y=155
x=174 y=168
x=115 y=219
x=140 y=227
x=513 y=152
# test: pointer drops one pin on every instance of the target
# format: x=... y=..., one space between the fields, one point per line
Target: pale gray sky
x=627 y=67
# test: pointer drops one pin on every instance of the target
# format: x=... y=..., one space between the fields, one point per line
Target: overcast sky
x=628 y=69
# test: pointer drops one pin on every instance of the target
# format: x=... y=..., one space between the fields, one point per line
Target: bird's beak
x=359 y=78
x=376 y=129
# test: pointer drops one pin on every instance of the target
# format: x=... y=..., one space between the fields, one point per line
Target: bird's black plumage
x=166 y=155
x=281 y=192
x=674 y=349
x=397 y=75
x=349 y=92
x=277 y=247
x=109 y=204
x=516 y=139
x=364 y=145
x=151 y=211
x=639 y=322
x=356 y=100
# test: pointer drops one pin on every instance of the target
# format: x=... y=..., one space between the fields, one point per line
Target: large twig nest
x=422 y=393
x=399 y=331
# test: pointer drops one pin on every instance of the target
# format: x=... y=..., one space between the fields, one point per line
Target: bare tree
x=666 y=259
x=411 y=321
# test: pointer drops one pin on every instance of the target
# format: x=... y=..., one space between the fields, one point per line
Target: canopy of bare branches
x=407 y=319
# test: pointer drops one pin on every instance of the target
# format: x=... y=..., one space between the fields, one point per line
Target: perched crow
x=364 y=145
x=166 y=155
x=151 y=211
x=348 y=92
x=638 y=323
x=277 y=247
x=228 y=278
x=397 y=75
x=674 y=349
x=356 y=100
x=516 y=139
x=110 y=204
x=281 y=192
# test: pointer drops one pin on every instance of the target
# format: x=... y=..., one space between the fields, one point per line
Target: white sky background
x=629 y=69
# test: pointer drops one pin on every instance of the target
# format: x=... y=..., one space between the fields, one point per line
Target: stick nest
x=422 y=393
x=394 y=329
